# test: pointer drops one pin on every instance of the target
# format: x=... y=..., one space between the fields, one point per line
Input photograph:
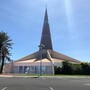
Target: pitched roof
x=53 y=55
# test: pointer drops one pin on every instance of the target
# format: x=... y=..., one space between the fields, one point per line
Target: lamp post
x=40 y=48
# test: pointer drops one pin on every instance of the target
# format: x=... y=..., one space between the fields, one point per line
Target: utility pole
x=40 y=48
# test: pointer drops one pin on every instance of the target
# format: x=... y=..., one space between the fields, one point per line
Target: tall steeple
x=47 y=57
x=46 y=36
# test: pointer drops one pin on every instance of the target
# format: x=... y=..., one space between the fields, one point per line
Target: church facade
x=44 y=60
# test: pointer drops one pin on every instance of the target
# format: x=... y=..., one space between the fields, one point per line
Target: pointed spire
x=46 y=36
x=46 y=17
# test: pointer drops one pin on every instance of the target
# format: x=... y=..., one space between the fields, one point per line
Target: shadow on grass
x=35 y=77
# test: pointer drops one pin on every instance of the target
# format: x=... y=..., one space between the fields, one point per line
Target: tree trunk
x=0 y=50
x=2 y=64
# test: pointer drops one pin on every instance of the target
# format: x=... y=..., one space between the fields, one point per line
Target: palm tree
x=5 y=45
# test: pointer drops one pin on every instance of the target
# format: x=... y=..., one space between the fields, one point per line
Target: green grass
x=33 y=75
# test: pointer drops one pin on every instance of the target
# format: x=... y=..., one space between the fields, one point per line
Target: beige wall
x=14 y=67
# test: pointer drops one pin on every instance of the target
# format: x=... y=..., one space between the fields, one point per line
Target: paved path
x=44 y=83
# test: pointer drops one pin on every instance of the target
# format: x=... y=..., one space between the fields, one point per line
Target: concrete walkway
x=56 y=76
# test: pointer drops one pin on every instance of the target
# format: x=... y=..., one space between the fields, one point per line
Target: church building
x=42 y=61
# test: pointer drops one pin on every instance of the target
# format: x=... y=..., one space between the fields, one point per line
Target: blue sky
x=69 y=24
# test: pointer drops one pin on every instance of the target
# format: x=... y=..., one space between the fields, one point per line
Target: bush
x=67 y=68
x=58 y=70
x=85 y=68
x=77 y=69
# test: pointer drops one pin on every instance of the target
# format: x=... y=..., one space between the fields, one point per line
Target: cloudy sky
x=69 y=24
